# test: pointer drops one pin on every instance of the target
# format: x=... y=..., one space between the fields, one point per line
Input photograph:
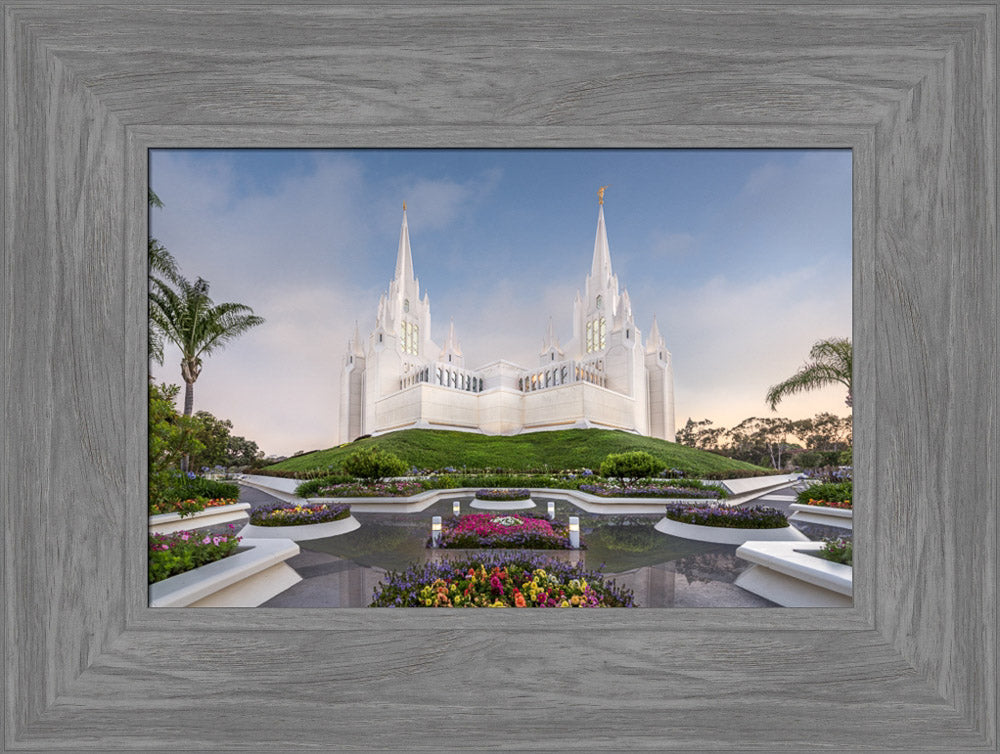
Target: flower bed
x=170 y=554
x=829 y=492
x=189 y=506
x=846 y=504
x=838 y=550
x=502 y=494
x=751 y=517
x=287 y=514
x=514 y=531
x=651 y=490
x=383 y=489
x=500 y=581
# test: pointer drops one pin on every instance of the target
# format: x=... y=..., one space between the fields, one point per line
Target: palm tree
x=162 y=268
x=187 y=317
x=830 y=363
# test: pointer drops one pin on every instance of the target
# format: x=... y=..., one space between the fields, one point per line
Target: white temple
x=605 y=377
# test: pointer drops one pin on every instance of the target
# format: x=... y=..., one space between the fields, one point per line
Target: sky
x=743 y=256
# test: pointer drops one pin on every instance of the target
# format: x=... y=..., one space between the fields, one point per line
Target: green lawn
x=536 y=451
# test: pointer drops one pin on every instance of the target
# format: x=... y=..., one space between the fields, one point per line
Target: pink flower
x=206 y=540
x=185 y=536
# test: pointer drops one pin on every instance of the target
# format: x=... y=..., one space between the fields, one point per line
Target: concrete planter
x=303 y=532
x=823 y=515
x=787 y=574
x=727 y=536
x=167 y=523
x=502 y=505
x=246 y=579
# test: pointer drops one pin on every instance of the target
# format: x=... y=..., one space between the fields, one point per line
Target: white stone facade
x=605 y=377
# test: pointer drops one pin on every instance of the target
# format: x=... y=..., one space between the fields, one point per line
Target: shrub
x=735 y=474
x=183 y=486
x=311 y=487
x=834 y=492
x=838 y=550
x=372 y=489
x=499 y=580
x=751 y=517
x=635 y=464
x=604 y=490
x=374 y=465
x=286 y=514
x=170 y=554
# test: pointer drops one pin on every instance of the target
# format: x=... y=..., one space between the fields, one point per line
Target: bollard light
x=435 y=531
x=456 y=508
x=552 y=511
x=574 y=532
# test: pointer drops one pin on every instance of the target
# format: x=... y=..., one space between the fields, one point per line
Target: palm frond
x=832 y=363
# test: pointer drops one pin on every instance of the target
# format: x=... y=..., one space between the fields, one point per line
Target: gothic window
x=406 y=305
x=409 y=337
x=596 y=335
x=600 y=301
x=553 y=355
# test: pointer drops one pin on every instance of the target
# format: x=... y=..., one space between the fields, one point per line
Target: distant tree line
x=824 y=440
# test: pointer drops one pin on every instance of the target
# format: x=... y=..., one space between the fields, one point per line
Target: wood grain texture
x=88 y=87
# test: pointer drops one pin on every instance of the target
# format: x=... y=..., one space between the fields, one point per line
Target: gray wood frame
x=911 y=89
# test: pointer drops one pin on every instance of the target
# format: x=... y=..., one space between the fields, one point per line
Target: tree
x=222 y=448
x=701 y=434
x=630 y=466
x=214 y=434
x=171 y=438
x=762 y=440
x=827 y=432
x=242 y=452
x=162 y=268
x=830 y=363
x=190 y=320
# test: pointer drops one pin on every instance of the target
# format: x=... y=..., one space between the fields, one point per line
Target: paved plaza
x=702 y=579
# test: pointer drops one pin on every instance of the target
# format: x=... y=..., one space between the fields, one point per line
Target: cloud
x=731 y=340
x=739 y=300
x=675 y=246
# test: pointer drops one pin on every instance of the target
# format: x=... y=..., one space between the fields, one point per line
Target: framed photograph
x=90 y=89
x=298 y=299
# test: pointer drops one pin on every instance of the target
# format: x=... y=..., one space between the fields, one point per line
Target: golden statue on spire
x=600 y=194
x=404 y=206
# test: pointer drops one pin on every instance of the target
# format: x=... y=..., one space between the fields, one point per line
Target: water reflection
x=661 y=570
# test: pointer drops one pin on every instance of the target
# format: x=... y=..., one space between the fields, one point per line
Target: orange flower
x=519 y=600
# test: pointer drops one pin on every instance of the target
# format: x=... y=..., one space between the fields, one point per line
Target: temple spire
x=404 y=261
x=600 y=268
x=452 y=352
x=357 y=349
x=655 y=340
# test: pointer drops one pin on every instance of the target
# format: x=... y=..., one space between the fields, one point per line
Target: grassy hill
x=536 y=451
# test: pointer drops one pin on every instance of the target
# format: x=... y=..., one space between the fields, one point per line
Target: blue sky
x=744 y=256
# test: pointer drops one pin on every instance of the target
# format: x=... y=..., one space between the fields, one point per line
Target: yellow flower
x=428 y=602
x=564 y=603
